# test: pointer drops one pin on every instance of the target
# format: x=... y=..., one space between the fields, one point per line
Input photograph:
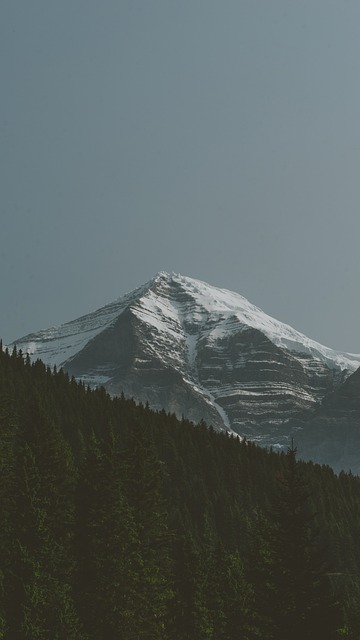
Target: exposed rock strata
x=201 y=352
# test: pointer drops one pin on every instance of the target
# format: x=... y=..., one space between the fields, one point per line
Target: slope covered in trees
x=120 y=522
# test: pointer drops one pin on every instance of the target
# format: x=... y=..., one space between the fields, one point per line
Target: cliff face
x=201 y=352
x=261 y=386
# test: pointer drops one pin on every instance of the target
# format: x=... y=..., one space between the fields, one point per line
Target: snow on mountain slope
x=199 y=351
x=224 y=305
x=56 y=345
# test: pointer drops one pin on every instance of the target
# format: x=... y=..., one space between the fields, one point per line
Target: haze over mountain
x=202 y=352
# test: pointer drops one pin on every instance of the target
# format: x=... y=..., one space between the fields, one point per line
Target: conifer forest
x=121 y=523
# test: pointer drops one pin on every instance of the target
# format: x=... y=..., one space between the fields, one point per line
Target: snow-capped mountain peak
x=157 y=303
x=197 y=350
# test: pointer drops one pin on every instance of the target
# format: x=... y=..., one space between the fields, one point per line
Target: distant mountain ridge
x=331 y=434
x=198 y=351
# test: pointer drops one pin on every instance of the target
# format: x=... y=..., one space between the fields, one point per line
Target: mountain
x=201 y=352
x=331 y=435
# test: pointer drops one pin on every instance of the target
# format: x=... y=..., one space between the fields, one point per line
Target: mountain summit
x=198 y=351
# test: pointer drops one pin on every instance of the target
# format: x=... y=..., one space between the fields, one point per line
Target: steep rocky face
x=332 y=434
x=259 y=385
x=125 y=356
x=201 y=352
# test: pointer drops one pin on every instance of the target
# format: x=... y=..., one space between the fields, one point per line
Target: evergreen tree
x=304 y=603
x=38 y=599
x=107 y=548
x=229 y=597
x=7 y=488
x=143 y=478
x=216 y=489
x=239 y=602
x=188 y=613
x=260 y=568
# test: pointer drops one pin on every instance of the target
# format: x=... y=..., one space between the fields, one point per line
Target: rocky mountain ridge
x=198 y=351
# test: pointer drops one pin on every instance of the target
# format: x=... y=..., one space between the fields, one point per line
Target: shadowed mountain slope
x=198 y=351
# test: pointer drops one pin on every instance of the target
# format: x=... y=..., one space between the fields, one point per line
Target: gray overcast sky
x=217 y=139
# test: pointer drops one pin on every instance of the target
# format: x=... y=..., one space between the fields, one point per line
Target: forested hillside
x=118 y=522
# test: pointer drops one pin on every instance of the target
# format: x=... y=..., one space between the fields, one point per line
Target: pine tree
x=229 y=597
x=38 y=598
x=260 y=568
x=143 y=477
x=188 y=614
x=304 y=604
x=8 y=424
x=107 y=547
x=239 y=602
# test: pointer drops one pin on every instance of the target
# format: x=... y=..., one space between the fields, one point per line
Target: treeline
x=120 y=523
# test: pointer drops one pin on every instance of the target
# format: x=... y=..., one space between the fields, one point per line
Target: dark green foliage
x=143 y=479
x=7 y=491
x=107 y=547
x=119 y=522
x=38 y=594
x=188 y=616
x=230 y=597
x=305 y=606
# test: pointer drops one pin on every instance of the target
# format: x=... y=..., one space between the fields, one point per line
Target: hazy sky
x=216 y=139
